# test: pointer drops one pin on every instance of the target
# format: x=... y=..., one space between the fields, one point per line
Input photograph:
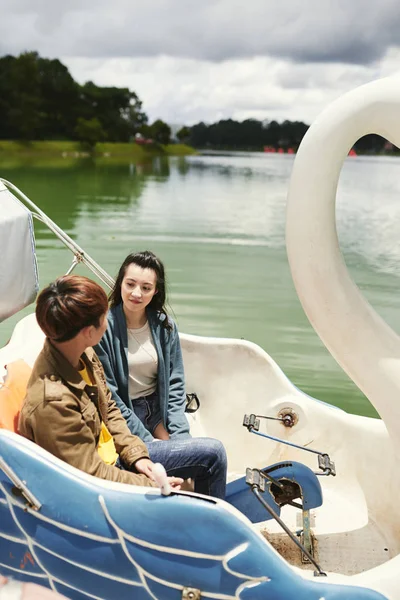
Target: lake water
x=218 y=223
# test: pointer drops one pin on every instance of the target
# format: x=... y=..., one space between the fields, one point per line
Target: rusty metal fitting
x=289 y=417
x=191 y=594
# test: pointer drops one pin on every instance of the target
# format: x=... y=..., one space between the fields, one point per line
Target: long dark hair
x=145 y=260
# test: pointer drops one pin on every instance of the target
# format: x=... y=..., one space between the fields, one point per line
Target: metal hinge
x=20 y=488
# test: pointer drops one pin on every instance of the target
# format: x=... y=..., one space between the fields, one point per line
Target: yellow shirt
x=106 y=446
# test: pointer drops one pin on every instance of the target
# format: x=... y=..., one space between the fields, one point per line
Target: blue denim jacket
x=113 y=353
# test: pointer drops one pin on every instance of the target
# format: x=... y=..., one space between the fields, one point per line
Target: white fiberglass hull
x=356 y=528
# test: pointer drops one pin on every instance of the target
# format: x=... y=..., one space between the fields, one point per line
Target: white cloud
x=357 y=32
x=188 y=91
x=190 y=61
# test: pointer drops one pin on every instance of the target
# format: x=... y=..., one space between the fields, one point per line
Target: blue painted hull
x=95 y=539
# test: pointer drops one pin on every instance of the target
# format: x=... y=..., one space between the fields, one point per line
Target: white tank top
x=142 y=362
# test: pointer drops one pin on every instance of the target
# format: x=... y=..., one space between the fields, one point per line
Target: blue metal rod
x=275 y=439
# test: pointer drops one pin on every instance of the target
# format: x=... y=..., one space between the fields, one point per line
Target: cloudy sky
x=193 y=60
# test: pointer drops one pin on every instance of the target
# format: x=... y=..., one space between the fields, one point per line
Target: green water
x=218 y=224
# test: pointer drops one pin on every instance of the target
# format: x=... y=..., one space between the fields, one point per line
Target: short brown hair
x=69 y=304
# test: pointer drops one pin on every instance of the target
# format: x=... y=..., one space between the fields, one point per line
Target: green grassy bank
x=108 y=149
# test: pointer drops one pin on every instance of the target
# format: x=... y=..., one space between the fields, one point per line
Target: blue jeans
x=202 y=459
x=147 y=410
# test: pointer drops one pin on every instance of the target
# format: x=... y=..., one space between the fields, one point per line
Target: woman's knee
x=216 y=449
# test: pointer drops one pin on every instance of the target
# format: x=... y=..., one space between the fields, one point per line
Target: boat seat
x=12 y=394
x=298 y=481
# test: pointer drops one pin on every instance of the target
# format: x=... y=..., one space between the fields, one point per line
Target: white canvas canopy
x=19 y=282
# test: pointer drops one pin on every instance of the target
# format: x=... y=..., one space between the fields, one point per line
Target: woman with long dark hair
x=142 y=359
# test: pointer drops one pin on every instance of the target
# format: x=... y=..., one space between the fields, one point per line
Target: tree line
x=40 y=100
x=246 y=135
x=258 y=135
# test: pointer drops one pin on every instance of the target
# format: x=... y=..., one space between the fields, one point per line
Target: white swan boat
x=89 y=538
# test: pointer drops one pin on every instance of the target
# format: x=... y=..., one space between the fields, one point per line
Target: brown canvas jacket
x=63 y=414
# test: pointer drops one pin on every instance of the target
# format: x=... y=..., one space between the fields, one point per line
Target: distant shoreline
x=243 y=152
x=68 y=150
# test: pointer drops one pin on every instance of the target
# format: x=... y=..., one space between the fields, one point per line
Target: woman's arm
x=177 y=422
x=105 y=353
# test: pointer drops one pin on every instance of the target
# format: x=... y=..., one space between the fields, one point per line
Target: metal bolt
x=191 y=594
x=288 y=416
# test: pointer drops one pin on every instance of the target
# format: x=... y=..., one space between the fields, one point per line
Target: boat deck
x=348 y=552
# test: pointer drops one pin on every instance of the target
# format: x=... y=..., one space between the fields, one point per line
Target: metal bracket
x=78 y=258
x=20 y=488
x=306 y=537
x=255 y=477
x=326 y=465
x=251 y=422
x=191 y=594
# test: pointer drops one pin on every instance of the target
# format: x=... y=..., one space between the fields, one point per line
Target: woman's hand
x=145 y=466
x=175 y=482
